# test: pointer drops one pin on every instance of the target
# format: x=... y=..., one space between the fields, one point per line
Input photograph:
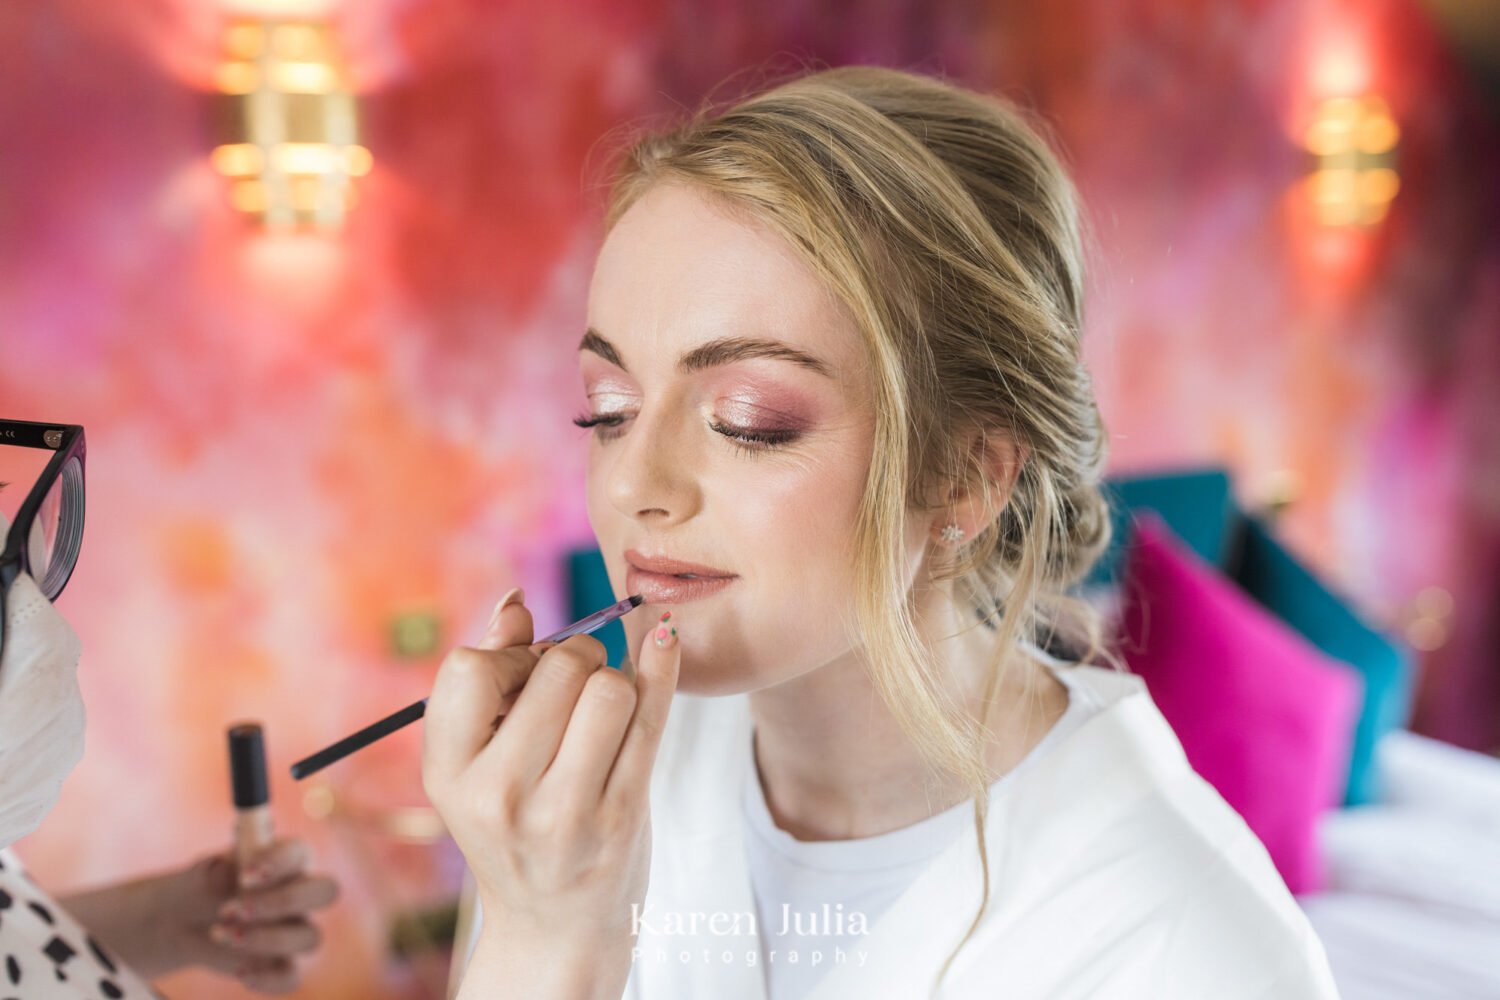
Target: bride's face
x=737 y=431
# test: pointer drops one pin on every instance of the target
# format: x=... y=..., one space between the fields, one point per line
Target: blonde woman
x=846 y=448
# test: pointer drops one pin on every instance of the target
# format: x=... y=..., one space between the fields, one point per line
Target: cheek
x=789 y=527
x=790 y=530
x=798 y=519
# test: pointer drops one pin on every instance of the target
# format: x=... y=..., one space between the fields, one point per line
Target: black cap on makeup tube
x=247 y=766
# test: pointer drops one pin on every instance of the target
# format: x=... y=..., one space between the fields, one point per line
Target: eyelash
x=744 y=440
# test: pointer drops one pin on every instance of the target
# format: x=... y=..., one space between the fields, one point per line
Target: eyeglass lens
x=42 y=545
x=51 y=544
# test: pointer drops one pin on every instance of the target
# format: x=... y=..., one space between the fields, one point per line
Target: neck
x=835 y=765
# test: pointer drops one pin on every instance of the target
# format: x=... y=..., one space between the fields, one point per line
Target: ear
x=1001 y=458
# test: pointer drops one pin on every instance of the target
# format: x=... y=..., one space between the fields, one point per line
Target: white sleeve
x=1304 y=978
x=1247 y=932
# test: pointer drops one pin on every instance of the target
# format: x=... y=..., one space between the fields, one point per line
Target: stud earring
x=952 y=532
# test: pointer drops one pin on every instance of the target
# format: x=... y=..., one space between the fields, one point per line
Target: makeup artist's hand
x=552 y=808
x=163 y=923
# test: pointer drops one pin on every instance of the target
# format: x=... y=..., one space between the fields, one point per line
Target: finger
x=473 y=687
x=218 y=876
x=311 y=892
x=241 y=966
x=510 y=624
x=283 y=938
x=472 y=690
x=283 y=860
x=656 y=673
x=592 y=739
x=528 y=741
x=268 y=975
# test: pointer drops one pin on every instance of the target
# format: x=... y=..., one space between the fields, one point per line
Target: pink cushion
x=1264 y=716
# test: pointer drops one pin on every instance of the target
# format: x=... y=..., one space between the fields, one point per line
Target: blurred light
x=1342 y=64
x=244 y=41
x=298 y=41
x=1377 y=135
x=358 y=161
x=1280 y=491
x=290 y=126
x=314 y=158
x=1379 y=185
x=409 y=824
x=415 y=634
x=1352 y=141
x=1426 y=634
x=237 y=77
x=1435 y=602
x=238 y=160
x=249 y=196
x=304 y=78
x=1427 y=619
x=319 y=802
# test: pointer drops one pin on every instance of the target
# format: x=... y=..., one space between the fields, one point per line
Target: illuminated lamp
x=1352 y=143
x=288 y=126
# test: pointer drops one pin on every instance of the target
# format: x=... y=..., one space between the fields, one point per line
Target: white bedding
x=1382 y=948
x=1412 y=910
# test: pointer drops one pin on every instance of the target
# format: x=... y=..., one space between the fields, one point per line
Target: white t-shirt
x=813 y=898
x=1115 y=873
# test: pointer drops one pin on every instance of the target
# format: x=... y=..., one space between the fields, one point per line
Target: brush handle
x=344 y=747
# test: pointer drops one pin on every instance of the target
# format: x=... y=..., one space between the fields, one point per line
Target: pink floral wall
x=299 y=442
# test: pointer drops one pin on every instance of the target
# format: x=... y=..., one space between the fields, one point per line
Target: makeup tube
x=252 y=795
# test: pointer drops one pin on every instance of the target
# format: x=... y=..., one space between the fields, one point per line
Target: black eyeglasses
x=47 y=532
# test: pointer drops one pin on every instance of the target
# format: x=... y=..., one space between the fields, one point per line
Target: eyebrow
x=724 y=351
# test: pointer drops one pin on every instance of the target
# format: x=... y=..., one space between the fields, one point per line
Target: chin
x=709 y=684
x=696 y=678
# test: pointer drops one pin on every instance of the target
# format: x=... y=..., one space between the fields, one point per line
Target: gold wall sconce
x=288 y=125
x=1353 y=143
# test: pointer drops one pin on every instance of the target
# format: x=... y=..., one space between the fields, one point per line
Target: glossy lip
x=662 y=566
x=661 y=588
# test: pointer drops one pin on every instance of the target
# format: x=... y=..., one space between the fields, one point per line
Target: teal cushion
x=1195 y=503
x=1265 y=570
x=588 y=591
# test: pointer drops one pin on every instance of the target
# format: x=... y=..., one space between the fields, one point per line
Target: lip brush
x=411 y=713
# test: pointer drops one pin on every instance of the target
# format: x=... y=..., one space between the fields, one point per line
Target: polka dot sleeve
x=46 y=955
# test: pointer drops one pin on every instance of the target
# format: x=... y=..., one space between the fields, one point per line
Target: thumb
x=510 y=624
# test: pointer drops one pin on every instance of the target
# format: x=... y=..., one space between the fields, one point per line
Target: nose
x=651 y=474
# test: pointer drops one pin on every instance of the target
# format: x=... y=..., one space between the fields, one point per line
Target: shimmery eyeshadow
x=743 y=413
x=762 y=402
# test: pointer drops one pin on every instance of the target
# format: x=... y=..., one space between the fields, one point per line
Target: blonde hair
x=947 y=226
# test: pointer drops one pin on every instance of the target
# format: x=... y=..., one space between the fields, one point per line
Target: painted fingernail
x=224 y=934
x=665 y=634
x=234 y=910
x=254 y=878
x=513 y=596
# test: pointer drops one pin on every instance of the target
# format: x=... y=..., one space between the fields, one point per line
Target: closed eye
x=745 y=439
